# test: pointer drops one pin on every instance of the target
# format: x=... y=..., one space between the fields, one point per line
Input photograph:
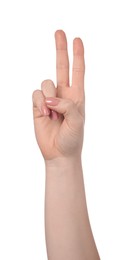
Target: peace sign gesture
x=59 y=112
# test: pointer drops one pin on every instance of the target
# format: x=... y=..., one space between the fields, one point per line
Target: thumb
x=67 y=108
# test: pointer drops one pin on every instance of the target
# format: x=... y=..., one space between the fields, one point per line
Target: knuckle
x=48 y=88
x=35 y=92
x=43 y=82
x=78 y=69
x=46 y=82
x=62 y=66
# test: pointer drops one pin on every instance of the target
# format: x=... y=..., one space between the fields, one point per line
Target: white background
x=27 y=56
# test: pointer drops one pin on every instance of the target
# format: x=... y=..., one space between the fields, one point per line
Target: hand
x=59 y=118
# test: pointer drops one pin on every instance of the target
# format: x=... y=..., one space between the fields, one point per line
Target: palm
x=50 y=133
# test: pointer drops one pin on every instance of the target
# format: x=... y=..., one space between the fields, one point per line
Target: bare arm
x=68 y=231
x=59 y=116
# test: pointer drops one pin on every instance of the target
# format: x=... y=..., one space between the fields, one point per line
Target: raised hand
x=59 y=112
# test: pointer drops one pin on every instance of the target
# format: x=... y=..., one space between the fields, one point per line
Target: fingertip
x=61 y=40
x=78 y=46
x=59 y=33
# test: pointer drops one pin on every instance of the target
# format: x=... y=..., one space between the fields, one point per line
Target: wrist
x=63 y=163
x=65 y=175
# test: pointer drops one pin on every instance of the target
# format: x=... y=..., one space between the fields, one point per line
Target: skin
x=59 y=117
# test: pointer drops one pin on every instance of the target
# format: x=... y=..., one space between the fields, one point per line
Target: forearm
x=67 y=227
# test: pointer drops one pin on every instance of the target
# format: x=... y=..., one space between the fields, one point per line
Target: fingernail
x=51 y=101
x=54 y=115
x=46 y=111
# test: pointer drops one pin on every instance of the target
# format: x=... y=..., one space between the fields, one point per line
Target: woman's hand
x=59 y=113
